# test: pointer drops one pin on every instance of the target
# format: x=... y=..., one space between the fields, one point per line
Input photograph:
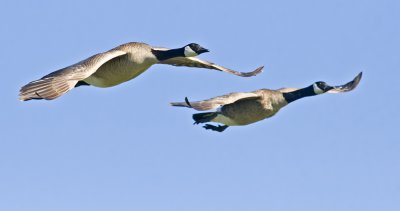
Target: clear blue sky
x=125 y=148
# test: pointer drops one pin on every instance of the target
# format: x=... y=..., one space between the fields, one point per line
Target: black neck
x=168 y=54
x=295 y=95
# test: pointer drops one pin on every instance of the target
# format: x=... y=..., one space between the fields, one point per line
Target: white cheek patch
x=317 y=90
x=189 y=52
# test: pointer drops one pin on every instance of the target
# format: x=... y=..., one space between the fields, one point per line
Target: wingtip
x=259 y=70
x=357 y=79
x=22 y=98
x=348 y=86
x=359 y=75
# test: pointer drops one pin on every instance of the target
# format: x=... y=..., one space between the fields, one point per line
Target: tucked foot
x=203 y=117
x=218 y=128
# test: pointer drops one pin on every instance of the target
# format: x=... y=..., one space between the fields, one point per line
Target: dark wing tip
x=358 y=77
x=354 y=83
x=348 y=86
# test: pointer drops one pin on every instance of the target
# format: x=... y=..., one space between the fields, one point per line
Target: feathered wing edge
x=196 y=62
x=215 y=102
x=59 y=82
x=348 y=86
x=46 y=88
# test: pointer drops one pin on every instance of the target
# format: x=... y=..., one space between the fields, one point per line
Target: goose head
x=194 y=49
x=321 y=87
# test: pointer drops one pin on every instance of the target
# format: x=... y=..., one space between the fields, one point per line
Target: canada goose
x=116 y=66
x=243 y=108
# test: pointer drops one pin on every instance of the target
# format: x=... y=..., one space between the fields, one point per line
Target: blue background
x=125 y=148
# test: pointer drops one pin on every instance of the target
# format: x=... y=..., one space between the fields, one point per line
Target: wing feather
x=196 y=62
x=216 y=101
x=61 y=81
x=348 y=86
x=336 y=89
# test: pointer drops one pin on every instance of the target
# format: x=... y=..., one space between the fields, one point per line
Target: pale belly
x=246 y=119
x=111 y=75
x=244 y=113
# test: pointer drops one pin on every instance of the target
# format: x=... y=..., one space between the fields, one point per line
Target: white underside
x=112 y=78
x=123 y=68
x=111 y=74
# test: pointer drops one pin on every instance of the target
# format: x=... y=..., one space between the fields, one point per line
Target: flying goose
x=116 y=66
x=243 y=108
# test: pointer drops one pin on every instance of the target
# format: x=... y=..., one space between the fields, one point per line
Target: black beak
x=327 y=88
x=202 y=50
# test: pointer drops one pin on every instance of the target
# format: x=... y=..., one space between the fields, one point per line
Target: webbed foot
x=218 y=128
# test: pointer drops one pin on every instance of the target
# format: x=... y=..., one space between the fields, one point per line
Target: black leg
x=218 y=128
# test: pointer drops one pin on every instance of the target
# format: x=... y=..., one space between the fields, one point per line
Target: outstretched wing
x=216 y=101
x=196 y=62
x=336 y=89
x=61 y=81
x=348 y=86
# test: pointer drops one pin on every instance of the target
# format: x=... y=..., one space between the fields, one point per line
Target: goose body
x=123 y=68
x=243 y=108
x=265 y=105
x=116 y=66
